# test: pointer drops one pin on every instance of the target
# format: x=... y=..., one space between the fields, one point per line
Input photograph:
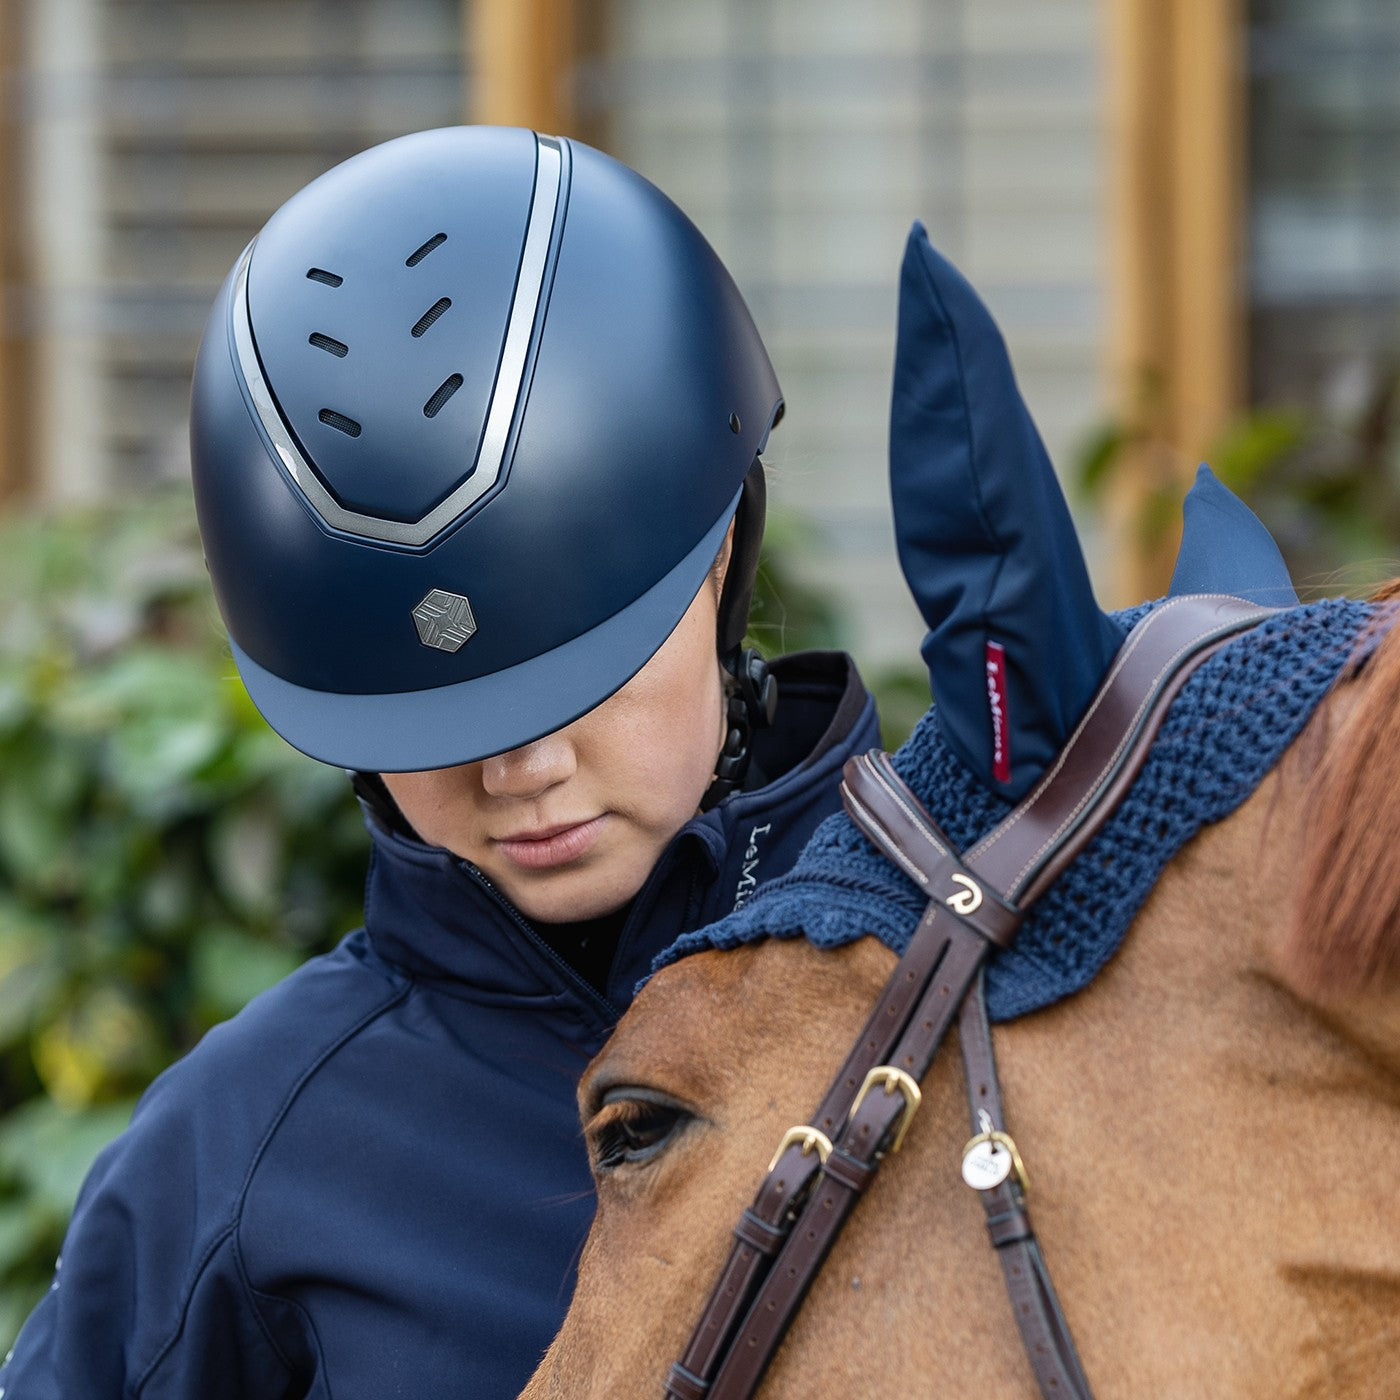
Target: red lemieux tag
x=996 y=703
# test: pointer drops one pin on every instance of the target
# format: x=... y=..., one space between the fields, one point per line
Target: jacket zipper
x=585 y=990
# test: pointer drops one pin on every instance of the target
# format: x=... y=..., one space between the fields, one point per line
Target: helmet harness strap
x=752 y=700
x=750 y=690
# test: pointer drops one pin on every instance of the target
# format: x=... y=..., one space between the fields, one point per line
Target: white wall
x=804 y=136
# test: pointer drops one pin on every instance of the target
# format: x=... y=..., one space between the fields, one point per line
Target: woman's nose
x=530 y=770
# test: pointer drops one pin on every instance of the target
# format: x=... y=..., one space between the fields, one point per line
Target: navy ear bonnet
x=1226 y=549
x=989 y=552
x=470 y=419
x=1016 y=643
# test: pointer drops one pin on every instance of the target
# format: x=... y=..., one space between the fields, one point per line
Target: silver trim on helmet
x=505 y=397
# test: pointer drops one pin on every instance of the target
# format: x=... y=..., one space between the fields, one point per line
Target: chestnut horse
x=1211 y=1131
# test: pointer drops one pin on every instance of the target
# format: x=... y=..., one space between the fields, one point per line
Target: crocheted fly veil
x=1016 y=647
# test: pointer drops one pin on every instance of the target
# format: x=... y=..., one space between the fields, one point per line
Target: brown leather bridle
x=977 y=902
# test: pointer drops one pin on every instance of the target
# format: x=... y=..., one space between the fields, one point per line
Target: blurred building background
x=1176 y=208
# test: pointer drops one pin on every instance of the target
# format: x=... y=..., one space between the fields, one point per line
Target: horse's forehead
x=740 y=998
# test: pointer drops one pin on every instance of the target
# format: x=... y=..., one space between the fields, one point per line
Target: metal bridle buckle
x=990 y=1157
x=892 y=1079
x=812 y=1139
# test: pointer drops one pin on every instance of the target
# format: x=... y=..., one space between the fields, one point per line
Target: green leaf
x=231 y=968
x=153 y=758
x=29 y=972
x=24 y=1223
x=1099 y=457
x=48 y=1149
x=1254 y=445
x=789 y=612
x=17 y=1301
x=15 y=706
x=902 y=696
x=101 y=1043
x=41 y=788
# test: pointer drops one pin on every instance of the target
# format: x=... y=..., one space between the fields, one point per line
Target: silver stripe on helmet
x=529 y=286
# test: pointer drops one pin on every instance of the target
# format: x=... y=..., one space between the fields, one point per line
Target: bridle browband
x=977 y=902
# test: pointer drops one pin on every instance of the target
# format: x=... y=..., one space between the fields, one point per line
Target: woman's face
x=569 y=826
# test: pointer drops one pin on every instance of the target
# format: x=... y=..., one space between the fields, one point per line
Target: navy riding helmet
x=470 y=418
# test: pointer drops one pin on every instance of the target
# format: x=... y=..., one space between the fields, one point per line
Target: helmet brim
x=413 y=731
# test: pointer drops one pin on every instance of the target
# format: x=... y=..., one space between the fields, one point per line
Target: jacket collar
x=439 y=918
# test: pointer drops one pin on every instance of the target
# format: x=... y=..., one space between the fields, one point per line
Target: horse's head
x=1206 y=1129
x=1204 y=1106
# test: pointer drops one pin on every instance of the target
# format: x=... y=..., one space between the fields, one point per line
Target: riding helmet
x=470 y=418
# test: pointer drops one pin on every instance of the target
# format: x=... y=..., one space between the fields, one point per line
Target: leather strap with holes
x=1034 y=1303
x=976 y=903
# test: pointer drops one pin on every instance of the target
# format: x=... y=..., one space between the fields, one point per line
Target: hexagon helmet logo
x=444 y=620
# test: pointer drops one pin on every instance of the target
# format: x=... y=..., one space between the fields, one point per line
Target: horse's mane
x=1345 y=935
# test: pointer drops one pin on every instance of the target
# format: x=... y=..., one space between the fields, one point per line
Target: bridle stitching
x=891 y=851
x=877 y=771
x=1134 y=641
x=1084 y=801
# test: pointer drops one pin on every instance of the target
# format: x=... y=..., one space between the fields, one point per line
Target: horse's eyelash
x=636 y=1132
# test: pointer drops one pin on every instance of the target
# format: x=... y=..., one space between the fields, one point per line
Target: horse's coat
x=1210 y=1144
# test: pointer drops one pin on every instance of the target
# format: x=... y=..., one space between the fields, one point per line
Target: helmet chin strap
x=752 y=701
x=374 y=795
x=751 y=692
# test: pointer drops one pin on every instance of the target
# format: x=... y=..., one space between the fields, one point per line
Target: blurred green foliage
x=163 y=855
x=789 y=614
x=1324 y=479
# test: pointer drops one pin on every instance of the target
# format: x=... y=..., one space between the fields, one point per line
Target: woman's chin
x=570 y=896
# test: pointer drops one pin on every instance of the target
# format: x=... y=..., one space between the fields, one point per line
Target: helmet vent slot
x=338 y=348
x=444 y=391
x=319 y=274
x=418 y=254
x=339 y=422
x=430 y=315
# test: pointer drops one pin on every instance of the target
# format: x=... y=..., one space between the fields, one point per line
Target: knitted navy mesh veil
x=1226 y=730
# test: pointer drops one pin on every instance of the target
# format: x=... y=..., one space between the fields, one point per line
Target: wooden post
x=521 y=55
x=1208 y=171
x=1175 y=134
x=16 y=445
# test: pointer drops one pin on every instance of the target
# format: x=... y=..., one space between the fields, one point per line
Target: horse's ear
x=1016 y=644
x=1225 y=548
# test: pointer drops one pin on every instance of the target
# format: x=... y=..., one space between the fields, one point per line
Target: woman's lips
x=551 y=846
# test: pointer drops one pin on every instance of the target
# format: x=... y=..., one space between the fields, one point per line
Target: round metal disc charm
x=986 y=1164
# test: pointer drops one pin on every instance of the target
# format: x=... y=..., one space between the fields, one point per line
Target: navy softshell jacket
x=372 y=1181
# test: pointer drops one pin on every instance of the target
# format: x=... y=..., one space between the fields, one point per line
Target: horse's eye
x=633 y=1127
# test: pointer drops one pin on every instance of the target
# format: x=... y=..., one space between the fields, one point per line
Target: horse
x=1210 y=1131
x=1208 y=1110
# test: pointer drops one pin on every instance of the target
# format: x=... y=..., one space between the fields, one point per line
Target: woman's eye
x=632 y=1131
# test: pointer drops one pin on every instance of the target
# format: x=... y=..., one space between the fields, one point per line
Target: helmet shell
x=469 y=364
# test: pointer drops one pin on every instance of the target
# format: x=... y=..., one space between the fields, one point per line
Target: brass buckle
x=892 y=1079
x=810 y=1138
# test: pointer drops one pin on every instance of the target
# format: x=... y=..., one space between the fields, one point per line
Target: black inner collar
x=587 y=946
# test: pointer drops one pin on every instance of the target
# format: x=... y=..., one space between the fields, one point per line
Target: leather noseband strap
x=977 y=901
